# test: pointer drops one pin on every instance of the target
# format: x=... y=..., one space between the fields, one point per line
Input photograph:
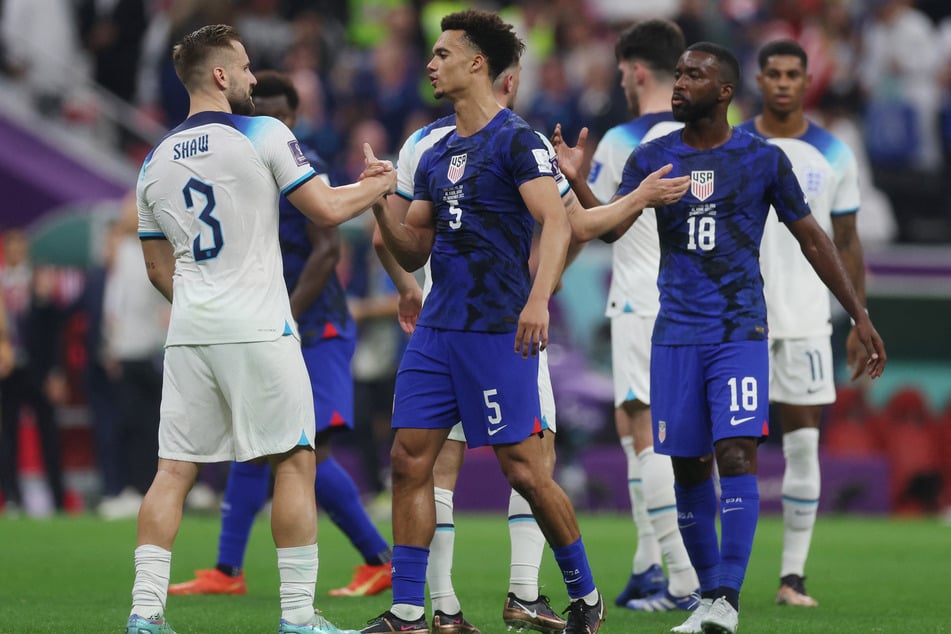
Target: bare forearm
x=552 y=250
x=854 y=262
x=585 y=196
x=403 y=280
x=831 y=270
x=408 y=246
x=313 y=280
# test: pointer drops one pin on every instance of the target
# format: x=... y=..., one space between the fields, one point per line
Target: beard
x=688 y=111
x=243 y=106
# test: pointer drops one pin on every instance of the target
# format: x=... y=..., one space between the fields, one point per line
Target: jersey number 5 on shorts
x=495 y=417
x=206 y=190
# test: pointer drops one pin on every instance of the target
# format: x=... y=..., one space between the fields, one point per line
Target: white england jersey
x=636 y=254
x=425 y=138
x=797 y=301
x=211 y=188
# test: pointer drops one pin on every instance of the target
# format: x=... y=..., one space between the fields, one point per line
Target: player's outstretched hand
x=571 y=160
x=532 y=333
x=375 y=167
x=408 y=308
x=874 y=362
x=659 y=191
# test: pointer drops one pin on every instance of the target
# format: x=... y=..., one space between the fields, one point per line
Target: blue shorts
x=701 y=394
x=328 y=364
x=449 y=375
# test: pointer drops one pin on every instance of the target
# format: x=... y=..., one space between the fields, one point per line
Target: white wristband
x=852 y=321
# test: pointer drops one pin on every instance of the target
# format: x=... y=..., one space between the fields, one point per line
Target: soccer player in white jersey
x=235 y=384
x=524 y=606
x=647 y=54
x=797 y=302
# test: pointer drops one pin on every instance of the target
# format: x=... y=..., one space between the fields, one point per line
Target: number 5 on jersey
x=456 y=212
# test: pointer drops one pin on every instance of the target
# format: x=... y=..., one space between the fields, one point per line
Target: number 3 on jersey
x=217 y=241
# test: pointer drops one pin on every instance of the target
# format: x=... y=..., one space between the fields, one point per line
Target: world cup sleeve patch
x=297 y=153
x=543 y=161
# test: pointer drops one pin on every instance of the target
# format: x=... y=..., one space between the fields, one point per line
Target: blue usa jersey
x=711 y=290
x=328 y=316
x=483 y=229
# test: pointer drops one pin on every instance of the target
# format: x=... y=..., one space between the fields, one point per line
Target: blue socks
x=575 y=570
x=245 y=495
x=739 y=513
x=409 y=575
x=338 y=496
x=696 y=518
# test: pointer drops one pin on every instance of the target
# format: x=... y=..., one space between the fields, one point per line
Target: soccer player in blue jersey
x=647 y=53
x=473 y=356
x=801 y=371
x=328 y=338
x=709 y=357
x=235 y=385
x=524 y=606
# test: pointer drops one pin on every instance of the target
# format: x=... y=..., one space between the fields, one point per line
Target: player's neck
x=473 y=112
x=654 y=101
x=204 y=103
x=707 y=133
x=790 y=125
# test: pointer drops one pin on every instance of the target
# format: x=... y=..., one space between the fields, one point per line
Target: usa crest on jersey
x=661 y=430
x=701 y=184
x=457 y=166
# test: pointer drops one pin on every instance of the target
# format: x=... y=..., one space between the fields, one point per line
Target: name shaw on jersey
x=190 y=148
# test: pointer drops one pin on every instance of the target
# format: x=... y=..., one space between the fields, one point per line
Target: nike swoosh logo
x=532 y=613
x=688 y=525
x=493 y=432
x=811 y=390
x=739 y=421
x=733 y=508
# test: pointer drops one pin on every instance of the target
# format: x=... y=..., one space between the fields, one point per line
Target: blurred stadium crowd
x=89 y=346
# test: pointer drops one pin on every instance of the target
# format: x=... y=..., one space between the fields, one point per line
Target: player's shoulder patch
x=299 y=157
x=543 y=160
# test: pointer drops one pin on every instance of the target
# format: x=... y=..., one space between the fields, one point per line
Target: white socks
x=801 y=483
x=439 y=571
x=150 y=590
x=648 y=549
x=298 y=570
x=657 y=475
x=528 y=544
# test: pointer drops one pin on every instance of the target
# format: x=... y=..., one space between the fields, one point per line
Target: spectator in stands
x=112 y=32
x=35 y=324
x=899 y=70
x=50 y=64
x=136 y=322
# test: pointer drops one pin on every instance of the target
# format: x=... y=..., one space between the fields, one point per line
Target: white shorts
x=631 y=357
x=800 y=371
x=235 y=401
x=546 y=399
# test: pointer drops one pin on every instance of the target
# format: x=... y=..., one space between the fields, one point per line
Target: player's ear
x=478 y=62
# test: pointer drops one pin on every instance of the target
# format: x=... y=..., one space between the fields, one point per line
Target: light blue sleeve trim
x=151 y=235
x=844 y=212
x=300 y=181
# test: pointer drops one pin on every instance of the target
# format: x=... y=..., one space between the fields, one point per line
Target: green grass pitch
x=75 y=575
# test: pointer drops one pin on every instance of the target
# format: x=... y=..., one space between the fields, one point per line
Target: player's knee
x=409 y=467
x=736 y=456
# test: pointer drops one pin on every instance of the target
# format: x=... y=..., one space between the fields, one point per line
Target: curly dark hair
x=490 y=35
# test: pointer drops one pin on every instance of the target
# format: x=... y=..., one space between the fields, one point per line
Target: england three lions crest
x=701 y=184
x=457 y=167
